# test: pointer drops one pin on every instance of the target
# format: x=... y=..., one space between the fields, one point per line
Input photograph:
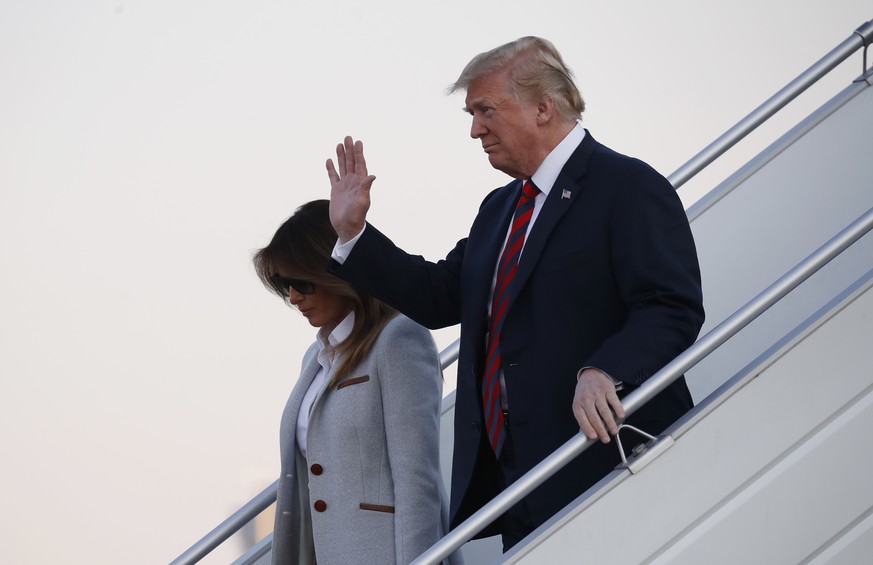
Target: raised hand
x=349 y=189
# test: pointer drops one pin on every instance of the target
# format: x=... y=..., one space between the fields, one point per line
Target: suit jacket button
x=320 y=506
x=475 y=427
x=316 y=469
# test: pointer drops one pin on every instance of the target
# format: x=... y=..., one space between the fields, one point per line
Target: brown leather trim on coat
x=355 y=381
x=377 y=507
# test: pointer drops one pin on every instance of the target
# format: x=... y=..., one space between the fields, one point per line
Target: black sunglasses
x=282 y=284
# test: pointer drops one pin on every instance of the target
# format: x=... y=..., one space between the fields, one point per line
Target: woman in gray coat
x=360 y=480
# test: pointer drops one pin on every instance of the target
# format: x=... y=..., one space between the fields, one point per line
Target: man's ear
x=545 y=109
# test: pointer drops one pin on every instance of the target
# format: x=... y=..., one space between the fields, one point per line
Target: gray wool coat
x=369 y=490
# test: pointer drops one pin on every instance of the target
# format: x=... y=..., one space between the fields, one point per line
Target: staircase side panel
x=773 y=214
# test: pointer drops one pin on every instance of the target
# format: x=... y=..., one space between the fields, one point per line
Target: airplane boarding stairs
x=771 y=466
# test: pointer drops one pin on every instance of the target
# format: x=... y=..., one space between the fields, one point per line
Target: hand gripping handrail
x=862 y=37
x=655 y=384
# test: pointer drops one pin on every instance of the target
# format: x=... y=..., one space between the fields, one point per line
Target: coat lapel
x=484 y=244
x=489 y=242
x=307 y=375
x=560 y=199
x=324 y=385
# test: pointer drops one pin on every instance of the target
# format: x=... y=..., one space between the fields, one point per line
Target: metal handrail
x=860 y=38
x=450 y=354
x=229 y=527
x=259 y=503
x=655 y=384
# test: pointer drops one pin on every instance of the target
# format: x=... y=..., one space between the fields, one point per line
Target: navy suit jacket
x=608 y=278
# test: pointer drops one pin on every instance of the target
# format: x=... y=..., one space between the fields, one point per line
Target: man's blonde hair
x=535 y=69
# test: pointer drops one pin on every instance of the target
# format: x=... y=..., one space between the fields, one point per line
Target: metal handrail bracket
x=643 y=453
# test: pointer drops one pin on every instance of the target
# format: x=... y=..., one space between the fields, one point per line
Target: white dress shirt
x=327 y=343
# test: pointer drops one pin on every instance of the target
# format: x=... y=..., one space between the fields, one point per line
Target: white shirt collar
x=546 y=175
x=339 y=333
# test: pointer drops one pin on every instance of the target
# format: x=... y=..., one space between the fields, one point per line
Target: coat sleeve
x=656 y=269
x=427 y=292
x=411 y=384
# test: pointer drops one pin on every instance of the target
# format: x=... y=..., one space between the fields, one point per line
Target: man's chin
x=497 y=162
x=502 y=166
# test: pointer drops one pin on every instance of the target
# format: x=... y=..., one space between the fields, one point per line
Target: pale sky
x=148 y=148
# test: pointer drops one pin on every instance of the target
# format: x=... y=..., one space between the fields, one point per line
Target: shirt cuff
x=619 y=385
x=341 y=251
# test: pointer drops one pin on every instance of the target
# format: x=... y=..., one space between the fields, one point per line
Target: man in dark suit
x=605 y=293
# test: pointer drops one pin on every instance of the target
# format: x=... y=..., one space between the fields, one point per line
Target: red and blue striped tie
x=491 y=397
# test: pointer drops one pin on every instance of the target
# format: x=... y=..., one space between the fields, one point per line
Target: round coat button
x=316 y=469
x=320 y=506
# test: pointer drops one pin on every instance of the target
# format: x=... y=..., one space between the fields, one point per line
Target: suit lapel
x=483 y=247
x=564 y=192
x=325 y=384
x=489 y=244
x=307 y=375
x=292 y=408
